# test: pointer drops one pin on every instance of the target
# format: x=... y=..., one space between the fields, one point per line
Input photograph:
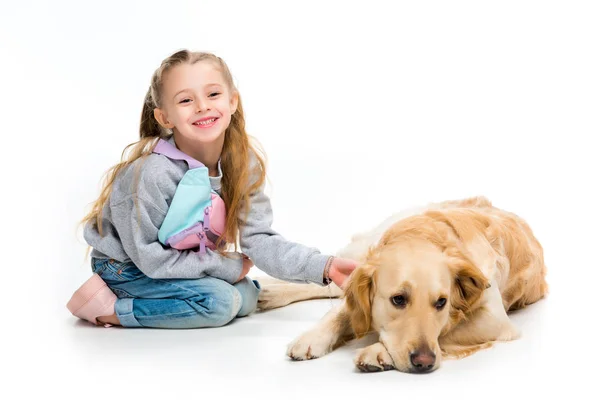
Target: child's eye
x=185 y=101
x=214 y=94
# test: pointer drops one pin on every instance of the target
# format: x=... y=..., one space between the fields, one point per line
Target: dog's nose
x=422 y=360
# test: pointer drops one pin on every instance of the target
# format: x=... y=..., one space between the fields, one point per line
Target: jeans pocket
x=113 y=271
x=99 y=265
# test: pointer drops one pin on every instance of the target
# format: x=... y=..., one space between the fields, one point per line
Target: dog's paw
x=374 y=358
x=271 y=297
x=311 y=345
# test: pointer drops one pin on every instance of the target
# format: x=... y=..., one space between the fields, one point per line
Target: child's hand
x=246 y=265
x=340 y=269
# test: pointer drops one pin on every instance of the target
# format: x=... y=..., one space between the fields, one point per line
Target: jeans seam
x=166 y=281
x=237 y=303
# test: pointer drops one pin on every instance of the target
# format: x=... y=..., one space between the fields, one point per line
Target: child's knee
x=226 y=306
x=249 y=290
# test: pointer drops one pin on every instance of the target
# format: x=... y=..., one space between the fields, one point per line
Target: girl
x=193 y=105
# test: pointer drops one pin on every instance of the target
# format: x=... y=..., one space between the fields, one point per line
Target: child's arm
x=271 y=252
x=137 y=223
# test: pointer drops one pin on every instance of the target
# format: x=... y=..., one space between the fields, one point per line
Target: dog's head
x=415 y=284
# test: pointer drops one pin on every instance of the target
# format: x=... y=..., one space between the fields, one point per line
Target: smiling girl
x=193 y=105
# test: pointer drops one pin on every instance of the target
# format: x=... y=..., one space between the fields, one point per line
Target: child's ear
x=162 y=119
x=233 y=102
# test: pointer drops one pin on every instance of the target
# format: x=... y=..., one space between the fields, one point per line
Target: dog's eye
x=399 y=301
x=439 y=305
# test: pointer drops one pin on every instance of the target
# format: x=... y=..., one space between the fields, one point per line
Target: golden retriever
x=436 y=282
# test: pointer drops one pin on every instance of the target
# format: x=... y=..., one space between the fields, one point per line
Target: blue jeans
x=174 y=303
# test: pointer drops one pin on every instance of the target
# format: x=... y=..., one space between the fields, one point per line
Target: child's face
x=196 y=102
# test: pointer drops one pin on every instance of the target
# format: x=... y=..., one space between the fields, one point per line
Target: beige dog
x=436 y=282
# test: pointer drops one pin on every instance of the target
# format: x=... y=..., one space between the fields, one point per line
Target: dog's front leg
x=333 y=330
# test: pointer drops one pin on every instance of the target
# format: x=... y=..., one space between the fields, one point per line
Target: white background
x=364 y=109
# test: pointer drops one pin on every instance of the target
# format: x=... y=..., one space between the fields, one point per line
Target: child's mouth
x=205 y=123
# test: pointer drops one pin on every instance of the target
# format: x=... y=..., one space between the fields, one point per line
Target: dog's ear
x=469 y=283
x=358 y=299
x=468 y=286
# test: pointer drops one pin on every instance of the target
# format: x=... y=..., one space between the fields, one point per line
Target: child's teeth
x=208 y=121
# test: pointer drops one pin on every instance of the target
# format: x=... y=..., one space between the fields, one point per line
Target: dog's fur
x=482 y=262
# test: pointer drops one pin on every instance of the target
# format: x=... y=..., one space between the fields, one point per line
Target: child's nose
x=201 y=106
